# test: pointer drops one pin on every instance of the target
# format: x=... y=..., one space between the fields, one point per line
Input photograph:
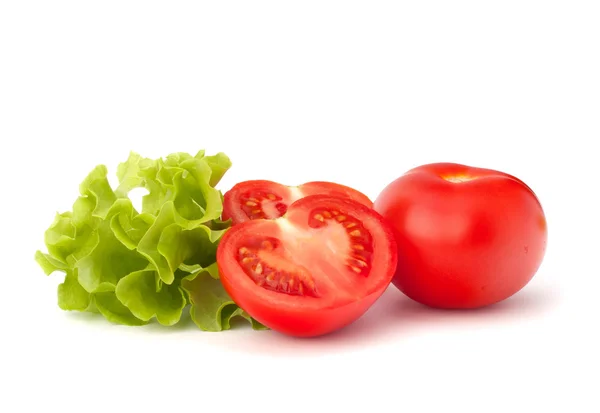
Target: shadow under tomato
x=394 y=317
x=399 y=315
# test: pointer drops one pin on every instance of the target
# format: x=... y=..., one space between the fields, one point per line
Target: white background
x=353 y=92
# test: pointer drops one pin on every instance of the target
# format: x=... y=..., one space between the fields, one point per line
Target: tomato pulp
x=314 y=270
x=261 y=199
x=467 y=237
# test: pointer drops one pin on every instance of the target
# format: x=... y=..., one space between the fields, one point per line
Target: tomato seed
x=267 y=245
x=360 y=263
x=308 y=281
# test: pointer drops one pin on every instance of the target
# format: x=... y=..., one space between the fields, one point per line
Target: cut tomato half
x=260 y=199
x=311 y=271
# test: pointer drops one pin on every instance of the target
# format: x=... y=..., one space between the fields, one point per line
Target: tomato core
x=287 y=265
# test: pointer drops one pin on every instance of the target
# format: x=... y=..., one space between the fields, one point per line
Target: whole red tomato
x=467 y=237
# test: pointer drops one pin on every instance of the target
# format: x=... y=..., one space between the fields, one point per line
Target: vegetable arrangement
x=304 y=260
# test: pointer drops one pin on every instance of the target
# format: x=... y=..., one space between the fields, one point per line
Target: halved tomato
x=261 y=199
x=314 y=270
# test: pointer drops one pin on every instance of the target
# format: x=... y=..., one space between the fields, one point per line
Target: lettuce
x=133 y=267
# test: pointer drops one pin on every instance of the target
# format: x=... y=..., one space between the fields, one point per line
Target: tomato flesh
x=312 y=271
x=467 y=237
x=261 y=199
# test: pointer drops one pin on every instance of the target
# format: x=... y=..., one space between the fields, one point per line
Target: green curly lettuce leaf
x=138 y=292
x=213 y=309
x=135 y=266
x=71 y=295
x=114 y=310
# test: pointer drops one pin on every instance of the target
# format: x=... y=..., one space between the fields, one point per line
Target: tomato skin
x=308 y=316
x=334 y=189
x=464 y=244
x=234 y=199
x=300 y=322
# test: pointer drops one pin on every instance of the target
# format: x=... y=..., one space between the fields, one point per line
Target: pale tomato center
x=334 y=252
x=331 y=254
x=295 y=193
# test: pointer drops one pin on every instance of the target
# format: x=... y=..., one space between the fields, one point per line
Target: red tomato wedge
x=260 y=199
x=311 y=271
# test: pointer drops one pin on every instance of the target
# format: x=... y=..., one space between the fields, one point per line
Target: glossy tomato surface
x=260 y=199
x=312 y=271
x=467 y=237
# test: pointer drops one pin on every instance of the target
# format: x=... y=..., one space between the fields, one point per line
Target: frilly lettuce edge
x=136 y=266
